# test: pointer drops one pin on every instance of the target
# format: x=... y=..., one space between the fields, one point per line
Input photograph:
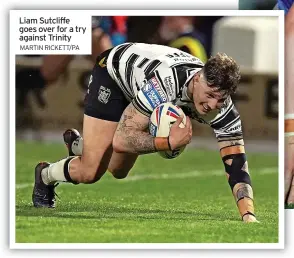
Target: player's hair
x=221 y=71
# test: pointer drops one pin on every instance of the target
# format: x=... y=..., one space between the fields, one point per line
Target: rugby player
x=289 y=107
x=127 y=83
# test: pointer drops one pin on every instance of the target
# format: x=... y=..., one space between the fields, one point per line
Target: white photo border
x=259 y=13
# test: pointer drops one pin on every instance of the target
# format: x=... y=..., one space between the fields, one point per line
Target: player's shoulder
x=179 y=58
x=167 y=55
x=179 y=65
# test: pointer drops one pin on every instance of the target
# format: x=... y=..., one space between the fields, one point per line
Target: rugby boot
x=43 y=195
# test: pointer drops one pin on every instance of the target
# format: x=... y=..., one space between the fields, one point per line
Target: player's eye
x=210 y=96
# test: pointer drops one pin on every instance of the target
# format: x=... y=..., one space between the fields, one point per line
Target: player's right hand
x=178 y=136
x=249 y=219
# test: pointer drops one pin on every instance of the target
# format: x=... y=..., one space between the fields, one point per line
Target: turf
x=185 y=200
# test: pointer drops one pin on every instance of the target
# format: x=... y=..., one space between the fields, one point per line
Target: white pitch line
x=194 y=173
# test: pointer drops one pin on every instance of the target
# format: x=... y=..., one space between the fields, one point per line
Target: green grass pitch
x=185 y=200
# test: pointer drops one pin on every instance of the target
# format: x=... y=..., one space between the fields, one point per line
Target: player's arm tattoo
x=132 y=132
x=233 y=155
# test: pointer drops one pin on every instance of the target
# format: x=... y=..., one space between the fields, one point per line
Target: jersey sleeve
x=227 y=124
x=153 y=93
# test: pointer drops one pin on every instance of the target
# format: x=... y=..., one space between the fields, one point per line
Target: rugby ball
x=161 y=120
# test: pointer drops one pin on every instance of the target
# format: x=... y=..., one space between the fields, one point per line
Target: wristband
x=161 y=143
x=289 y=127
x=248 y=213
x=170 y=148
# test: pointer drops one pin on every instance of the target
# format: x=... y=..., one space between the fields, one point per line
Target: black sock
x=66 y=173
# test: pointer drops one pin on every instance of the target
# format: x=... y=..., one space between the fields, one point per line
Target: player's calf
x=119 y=166
x=121 y=163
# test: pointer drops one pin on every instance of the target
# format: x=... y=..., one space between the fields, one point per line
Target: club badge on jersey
x=104 y=94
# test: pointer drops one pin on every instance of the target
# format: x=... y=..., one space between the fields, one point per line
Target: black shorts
x=104 y=99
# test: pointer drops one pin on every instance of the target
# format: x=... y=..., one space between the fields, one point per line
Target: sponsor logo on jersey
x=104 y=94
x=147 y=86
x=153 y=93
x=156 y=85
x=193 y=59
x=168 y=83
x=235 y=128
x=178 y=54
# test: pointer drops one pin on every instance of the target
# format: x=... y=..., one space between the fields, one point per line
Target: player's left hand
x=249 y=218
x=289 y=170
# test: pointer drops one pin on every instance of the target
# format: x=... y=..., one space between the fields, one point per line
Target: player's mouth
x=206 y=108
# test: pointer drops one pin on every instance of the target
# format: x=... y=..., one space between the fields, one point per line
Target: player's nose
x=213 y=104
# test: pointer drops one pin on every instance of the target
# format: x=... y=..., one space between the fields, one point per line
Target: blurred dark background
x=257 y=4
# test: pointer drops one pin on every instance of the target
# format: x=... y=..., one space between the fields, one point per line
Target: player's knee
x=119 y=173
x=89 y=179
x=117 y=145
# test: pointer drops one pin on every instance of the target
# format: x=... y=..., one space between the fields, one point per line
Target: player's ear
x=197 y=77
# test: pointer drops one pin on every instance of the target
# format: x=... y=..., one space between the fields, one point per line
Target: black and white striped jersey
x=149 y=75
